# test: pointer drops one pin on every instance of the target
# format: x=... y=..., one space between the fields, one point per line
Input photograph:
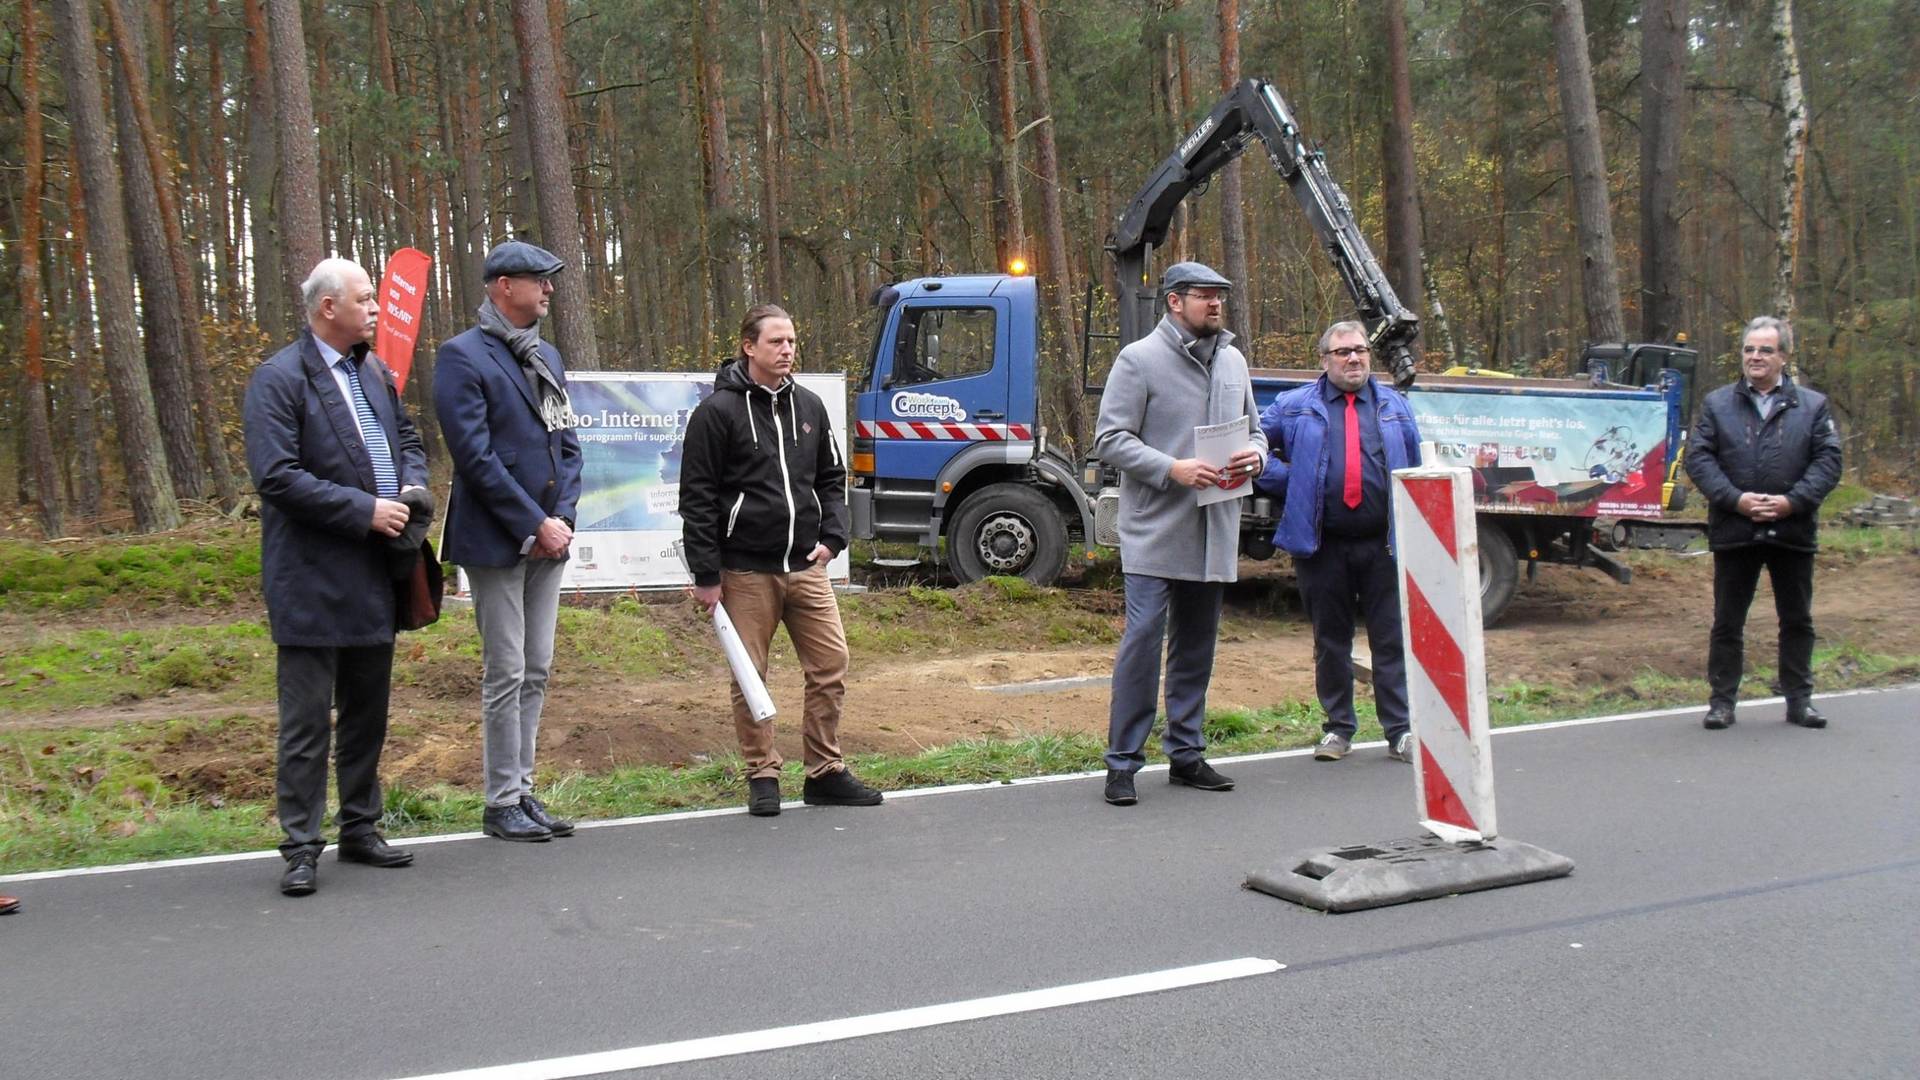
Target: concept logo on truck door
x=927 y=407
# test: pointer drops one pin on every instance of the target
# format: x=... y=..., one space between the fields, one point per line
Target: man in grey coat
x=1176 y=553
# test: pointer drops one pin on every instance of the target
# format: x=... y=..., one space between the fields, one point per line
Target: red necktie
x=1351 y=494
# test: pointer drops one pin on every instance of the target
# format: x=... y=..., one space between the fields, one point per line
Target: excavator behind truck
x=948 y=446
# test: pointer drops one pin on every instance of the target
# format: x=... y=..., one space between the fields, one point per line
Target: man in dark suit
x=330 y=450
x=501 y=394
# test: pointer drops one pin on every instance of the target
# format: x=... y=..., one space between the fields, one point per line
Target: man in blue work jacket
x=1335 y=442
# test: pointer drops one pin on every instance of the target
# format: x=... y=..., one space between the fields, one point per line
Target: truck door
x=940 y=385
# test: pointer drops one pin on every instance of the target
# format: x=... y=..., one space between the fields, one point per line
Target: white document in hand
x=1216 y=444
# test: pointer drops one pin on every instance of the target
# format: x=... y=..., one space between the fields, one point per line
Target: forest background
x=1534 y=175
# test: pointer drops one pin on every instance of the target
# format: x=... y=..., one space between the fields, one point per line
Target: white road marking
x=911 y=793
x=854 y=1027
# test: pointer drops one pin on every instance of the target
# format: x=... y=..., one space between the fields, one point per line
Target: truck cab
x=947 y=442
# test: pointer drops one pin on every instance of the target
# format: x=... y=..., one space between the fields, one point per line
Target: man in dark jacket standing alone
x=1765 y=454
x=330 y=450
x=763 y=509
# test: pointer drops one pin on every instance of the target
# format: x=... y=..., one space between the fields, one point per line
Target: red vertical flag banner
x=403 y=292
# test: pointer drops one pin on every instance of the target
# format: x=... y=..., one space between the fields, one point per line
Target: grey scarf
x=556 y=409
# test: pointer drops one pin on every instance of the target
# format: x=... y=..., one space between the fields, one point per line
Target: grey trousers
x=1186 y=616
x=515 y=608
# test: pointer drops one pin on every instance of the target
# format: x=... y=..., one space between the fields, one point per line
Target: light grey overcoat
x=1154 y=398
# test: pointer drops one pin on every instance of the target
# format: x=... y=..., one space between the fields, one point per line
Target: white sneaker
x=1402 y=748
x=1333 y=746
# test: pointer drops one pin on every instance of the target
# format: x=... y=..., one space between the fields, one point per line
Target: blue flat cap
x=520 y=257
x=1188 y=275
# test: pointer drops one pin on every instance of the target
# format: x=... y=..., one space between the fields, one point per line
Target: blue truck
x=948 y=450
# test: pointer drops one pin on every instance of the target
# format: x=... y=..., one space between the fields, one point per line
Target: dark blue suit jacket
x=509 y=472
x=323 y=568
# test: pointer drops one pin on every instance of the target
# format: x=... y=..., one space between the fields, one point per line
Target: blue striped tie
x=386 y=482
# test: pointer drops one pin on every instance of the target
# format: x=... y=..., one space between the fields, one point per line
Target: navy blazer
x=323 y=568
x=509 y=472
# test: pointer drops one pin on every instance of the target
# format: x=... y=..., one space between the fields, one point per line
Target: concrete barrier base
x=1360 y=876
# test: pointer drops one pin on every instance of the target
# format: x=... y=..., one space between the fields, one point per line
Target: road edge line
x=910 y=793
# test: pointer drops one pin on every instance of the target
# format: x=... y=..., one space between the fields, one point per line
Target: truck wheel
x=1007 y=530
x=1499 y=573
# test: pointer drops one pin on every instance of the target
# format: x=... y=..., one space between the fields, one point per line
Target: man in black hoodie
x=1765 y=455
x=763 y=509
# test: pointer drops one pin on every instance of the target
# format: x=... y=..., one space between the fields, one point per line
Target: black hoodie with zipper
x=761 y=480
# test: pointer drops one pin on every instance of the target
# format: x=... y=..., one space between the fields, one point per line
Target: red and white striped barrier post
x=1437 y=547
x=1436 y=543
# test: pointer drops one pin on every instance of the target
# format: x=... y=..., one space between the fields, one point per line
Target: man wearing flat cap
x=501 y=394
x=1176 y=553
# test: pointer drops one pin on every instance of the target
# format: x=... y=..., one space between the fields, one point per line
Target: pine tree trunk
x=1009 y=218
x=226 y=290
x=302 y=241
x=39 y=434
x=1058 y=285
x=1663 y=69
x=775 y=277
x=1233 y=207
x=545 y=111
x=716 y=170
x=1599 y=278
x=82 y=410
x=1793 y=163
x=273 y=305
x=1399 y=176
x=857 y=261
x=163 y=311
x=149 y=486
x=147 y=135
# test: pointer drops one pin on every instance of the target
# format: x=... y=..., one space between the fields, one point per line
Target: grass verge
x=76 y=798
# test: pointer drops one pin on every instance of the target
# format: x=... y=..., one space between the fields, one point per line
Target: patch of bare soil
x=1569 y=629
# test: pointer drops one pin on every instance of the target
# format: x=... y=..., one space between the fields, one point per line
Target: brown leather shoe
x=8 y=905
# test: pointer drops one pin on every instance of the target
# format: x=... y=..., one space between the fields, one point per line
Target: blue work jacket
x=1296 y=429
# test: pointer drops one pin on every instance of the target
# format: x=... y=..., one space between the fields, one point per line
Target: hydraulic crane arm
x=1254 y=109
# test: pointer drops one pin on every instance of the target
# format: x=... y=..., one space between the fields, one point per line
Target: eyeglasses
x=1347 y=351
x=1762 y=350
x=1204 y=298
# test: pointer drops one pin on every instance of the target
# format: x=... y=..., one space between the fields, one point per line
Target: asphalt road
x=1744 y=906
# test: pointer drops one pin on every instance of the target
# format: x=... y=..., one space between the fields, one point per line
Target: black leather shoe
x=1120 y=788
x=1718 y=717
x=302 y=875
x=838 y=788
x=537 y=811
x=763 y=796
x=512 y=823
x=1199 y=775
x=1805 y=716
x=373 y=850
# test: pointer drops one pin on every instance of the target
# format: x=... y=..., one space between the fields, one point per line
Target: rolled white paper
x=758 y=701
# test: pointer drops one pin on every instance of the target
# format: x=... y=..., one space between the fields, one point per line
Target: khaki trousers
x=758 y=603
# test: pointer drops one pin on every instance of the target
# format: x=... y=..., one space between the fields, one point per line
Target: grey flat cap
x=520 y=257
x=1187 y=275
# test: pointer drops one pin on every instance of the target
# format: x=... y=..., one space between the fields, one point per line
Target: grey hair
x=1768 y=322
x=328 y=278
x=1350 y=326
